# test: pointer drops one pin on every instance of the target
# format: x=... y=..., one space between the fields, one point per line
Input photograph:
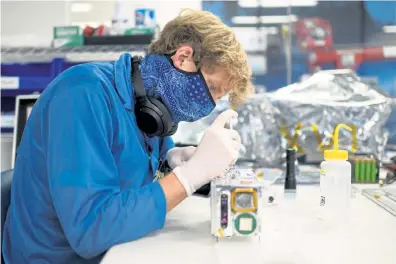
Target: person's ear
x=183 y=59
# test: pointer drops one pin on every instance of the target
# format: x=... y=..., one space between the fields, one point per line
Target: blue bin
x=32 y=76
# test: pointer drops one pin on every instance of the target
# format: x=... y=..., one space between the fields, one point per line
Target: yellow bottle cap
x=336 y=154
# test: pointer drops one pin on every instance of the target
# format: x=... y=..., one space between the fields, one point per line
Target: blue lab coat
x=83 y=179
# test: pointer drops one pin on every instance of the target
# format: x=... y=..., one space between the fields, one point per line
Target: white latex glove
x=178 y=156
x=217 y=150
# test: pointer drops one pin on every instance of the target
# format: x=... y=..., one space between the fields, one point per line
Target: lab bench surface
x=292 y=233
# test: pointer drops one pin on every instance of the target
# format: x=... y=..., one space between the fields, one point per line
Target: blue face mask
x=185 y=94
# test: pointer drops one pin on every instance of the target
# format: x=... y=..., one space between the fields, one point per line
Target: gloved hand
x=217 y=150
x=178 y=156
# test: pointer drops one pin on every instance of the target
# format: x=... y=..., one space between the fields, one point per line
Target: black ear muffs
x=152 y=116
x=173 y=129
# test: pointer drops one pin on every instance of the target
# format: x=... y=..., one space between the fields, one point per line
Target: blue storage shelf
x=7 y=130
x=32 y=76
x=32 y=69
x=27 y=69
x=37 y=67
x=15 y=92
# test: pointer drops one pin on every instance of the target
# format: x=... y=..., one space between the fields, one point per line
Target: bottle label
x=322 y=200
x=322 y=197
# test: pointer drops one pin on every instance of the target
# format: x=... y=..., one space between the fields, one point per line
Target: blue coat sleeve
x=167 y=144
x=84 y=181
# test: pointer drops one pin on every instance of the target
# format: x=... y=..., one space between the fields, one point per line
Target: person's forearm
x=173 y=190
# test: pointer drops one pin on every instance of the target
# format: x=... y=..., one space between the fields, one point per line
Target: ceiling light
x=276 y=3
x=81 y=7
x=264 y=19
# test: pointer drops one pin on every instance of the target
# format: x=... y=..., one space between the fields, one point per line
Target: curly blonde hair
x=213 y=43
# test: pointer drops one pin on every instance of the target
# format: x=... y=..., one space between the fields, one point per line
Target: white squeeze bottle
x=335 y=183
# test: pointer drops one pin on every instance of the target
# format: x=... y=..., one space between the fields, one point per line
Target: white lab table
x=290 y=235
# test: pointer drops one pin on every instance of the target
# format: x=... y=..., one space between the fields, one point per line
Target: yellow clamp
x=323 y=147
x=293 y=141
x=319 y=139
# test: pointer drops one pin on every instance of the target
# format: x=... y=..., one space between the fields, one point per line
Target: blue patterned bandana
x=185 y=94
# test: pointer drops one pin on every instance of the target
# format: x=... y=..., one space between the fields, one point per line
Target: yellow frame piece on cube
x=244 y=190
